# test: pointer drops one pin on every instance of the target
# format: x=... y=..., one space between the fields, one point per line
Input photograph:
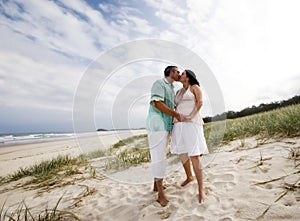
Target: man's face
x=175 y=74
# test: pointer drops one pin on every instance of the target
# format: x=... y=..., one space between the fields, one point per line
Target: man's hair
x=168 y=70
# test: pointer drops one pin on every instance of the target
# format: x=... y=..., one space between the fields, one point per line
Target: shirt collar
x=167 y=82
x=165 y=79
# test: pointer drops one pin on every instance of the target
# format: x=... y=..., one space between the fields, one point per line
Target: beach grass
x=23 y=213
x=45 y=169
x=131 y=151
x=127 y=141
x=282 y=122
x=95 y=154
x=128 y=157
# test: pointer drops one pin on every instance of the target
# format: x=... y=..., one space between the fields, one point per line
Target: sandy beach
x=245 y=179
x=23 y=155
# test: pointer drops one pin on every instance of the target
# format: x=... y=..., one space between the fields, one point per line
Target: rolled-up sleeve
x=157 y=92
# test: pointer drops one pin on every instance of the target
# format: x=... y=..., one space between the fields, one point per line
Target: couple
x=187 y=133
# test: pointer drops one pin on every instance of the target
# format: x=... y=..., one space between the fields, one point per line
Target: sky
x=48 y=47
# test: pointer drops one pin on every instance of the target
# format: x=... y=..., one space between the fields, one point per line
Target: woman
x=187 y=137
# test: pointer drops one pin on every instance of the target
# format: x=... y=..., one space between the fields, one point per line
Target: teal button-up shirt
x=161 y=90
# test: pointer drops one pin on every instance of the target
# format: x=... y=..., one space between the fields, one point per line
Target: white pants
x=158 y=142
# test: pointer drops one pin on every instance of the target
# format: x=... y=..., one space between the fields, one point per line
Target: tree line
x=254 y=109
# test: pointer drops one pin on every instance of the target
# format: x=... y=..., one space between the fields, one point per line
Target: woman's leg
x=185 y=160
x=199 y=175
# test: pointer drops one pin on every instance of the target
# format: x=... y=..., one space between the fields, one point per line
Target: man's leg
x=162 y=198
x=158 y=145
x=155 y=187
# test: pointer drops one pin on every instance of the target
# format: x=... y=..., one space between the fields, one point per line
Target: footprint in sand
x=227 y=204
x=221 y=178
x=228 y=186
x=227 y=177
x=226 y=219
x=191 y=218
x=223 y=181
x=269 y=186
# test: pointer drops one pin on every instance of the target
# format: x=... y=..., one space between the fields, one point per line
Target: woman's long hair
x=192 y=77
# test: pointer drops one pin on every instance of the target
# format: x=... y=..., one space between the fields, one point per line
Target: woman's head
x=192 y=79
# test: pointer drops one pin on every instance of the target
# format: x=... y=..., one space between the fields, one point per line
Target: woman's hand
x=186 y=118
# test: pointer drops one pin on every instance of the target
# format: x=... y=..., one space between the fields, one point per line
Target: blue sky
x=251 y=46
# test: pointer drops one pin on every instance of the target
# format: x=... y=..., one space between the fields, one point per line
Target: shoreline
x=14 y=157
x=71 y=135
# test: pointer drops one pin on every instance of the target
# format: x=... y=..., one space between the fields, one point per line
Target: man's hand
x=185 y=118
x=178 y=116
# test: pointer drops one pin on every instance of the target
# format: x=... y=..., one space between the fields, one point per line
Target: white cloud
x=252 y=47
x=243 y=49
x=31 y=84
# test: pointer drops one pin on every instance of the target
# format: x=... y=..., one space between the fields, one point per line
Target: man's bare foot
x=162 y=200
x=189 y=179
x=155 y=188
x=202 y=196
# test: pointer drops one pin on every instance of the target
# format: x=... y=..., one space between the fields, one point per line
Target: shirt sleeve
x=157 y=92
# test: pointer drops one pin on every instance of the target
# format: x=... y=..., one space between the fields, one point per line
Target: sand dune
x=244 y=180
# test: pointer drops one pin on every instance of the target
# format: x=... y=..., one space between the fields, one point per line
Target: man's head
x=172 y=72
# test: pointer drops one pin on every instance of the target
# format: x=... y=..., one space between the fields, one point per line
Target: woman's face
x=183 y=77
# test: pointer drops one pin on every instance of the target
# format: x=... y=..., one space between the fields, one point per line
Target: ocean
x=24 y=138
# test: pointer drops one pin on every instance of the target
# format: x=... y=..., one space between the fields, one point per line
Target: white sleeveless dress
x=188 y=137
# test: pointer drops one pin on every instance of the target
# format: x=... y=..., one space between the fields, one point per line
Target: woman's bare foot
x=202 y=196
x=162 y=200
x=189 y=179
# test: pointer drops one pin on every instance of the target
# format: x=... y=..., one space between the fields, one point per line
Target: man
x=159 y=126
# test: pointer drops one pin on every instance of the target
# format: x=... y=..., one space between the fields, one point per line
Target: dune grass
x=128 y=140
x=131 y=151
x=282 y=122
x=23 y=213
x=45 y=169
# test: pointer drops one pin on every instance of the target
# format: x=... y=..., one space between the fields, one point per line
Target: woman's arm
x=195 y=89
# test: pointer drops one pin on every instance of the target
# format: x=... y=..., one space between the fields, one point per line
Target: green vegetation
x=129 y=157
x=128 y=140
x=131 y=151
x=95 y=154
x=283 y=122
x=45 y=169
x=254 y=110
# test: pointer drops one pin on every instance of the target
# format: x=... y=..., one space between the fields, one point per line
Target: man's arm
x=160 y=105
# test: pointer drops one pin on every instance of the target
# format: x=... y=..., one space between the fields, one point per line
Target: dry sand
x=244 y=180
